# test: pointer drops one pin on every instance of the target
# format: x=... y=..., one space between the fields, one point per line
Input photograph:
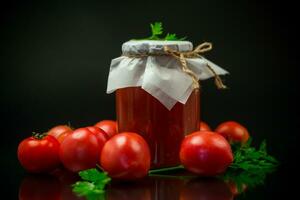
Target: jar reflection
x=206 y=189
x=139 y=190
x=170 y=188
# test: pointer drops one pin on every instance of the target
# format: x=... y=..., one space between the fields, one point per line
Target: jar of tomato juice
x=156 y=97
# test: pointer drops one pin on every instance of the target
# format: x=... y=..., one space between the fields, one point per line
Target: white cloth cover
x=160 y=76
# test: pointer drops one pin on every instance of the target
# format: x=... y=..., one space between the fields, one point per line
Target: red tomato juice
x=163 y=129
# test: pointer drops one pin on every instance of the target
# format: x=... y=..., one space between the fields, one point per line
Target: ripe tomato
x=99 y=132
x=126 y=156
x=44 y=187
x=80 y=150
x=204 y=126
x=109 y=126
x=233 y=132
x=206 y=189
x=39 y=153
x=58 y=130
x=205 y=153
x=62 y=136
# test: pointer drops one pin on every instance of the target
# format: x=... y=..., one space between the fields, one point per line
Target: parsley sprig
x=93 y=184
x=157 y=33
x=249 y=159
x=250 y=165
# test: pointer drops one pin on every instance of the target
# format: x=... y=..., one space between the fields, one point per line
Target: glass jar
x=157 y=95
x=163 y=129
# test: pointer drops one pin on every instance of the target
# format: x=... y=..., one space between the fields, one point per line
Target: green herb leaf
x=83 y=188
x=250 y=166
x=93 y=185
x=156 y=29
x=246 y=157
x=171 y=36
x=92 y=175
x=157 y=32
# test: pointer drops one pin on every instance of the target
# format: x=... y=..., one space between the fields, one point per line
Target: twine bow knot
x=196 y=53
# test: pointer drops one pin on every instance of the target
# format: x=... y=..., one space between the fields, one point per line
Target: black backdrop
x=55 y=58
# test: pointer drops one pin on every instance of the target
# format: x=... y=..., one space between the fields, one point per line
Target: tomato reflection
x=66 y=179
x=138 y=190
x=166 y=188
x=39 y=187
x=58 y=187
x=206 y=189
x=149 y=188
x=234 y=188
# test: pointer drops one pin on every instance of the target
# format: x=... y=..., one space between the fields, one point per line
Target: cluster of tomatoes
x=126 y=155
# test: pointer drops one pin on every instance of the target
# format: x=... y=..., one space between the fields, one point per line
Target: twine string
x=182 y=56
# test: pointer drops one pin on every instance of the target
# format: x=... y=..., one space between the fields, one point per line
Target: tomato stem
x=38 y=136
x=70 y=125
x=167 y=169
x=172 y=176
x=100 y=168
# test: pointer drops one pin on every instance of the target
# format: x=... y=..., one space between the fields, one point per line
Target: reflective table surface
x=180 y=185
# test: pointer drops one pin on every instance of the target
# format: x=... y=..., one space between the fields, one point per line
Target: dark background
x=55 y=58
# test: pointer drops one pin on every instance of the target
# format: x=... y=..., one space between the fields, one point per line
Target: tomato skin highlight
x=39 y=155
x=80 y=150
x=204 y=126
x=233 y=132
x=126 y=156
x=109 y=126
x=205 y=153
x=58 y=130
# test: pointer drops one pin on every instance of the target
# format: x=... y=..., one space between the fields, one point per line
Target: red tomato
x=58 y=130
x=206 y=189
x=204 y=126
x=205 y=153
x=80 y=150
x=109 y=126
x=39 y=154
x=99 y=132
x=39 y=188
x=233 y=132
x=62 y=136
x=126 y=156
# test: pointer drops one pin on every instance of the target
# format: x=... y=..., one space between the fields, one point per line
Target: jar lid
x=154 y=46
x=161 y=76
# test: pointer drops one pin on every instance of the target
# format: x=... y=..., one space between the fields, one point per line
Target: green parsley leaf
x=173 y=36
x=156 y=29
x=248 y=158
x=92 y=175
x=93 y=184
x=157 y=32
x=83 y=188
x=250 y=166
